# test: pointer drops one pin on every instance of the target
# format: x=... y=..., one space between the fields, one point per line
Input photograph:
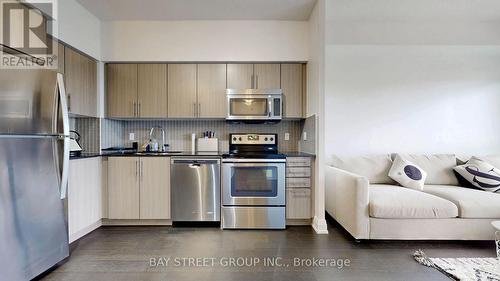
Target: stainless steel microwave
x=250 y=105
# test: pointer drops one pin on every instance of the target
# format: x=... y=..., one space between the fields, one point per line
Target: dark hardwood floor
x=124 y=253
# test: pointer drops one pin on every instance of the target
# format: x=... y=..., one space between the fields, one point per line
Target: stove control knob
x=272 y=139
x=265 y=139
x=239 y=138
x=234 y=138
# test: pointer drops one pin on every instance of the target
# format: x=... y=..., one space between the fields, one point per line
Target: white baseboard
x=84 y=231
x=319 y=225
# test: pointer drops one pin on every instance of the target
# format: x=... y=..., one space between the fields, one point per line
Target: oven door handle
x=254 y=161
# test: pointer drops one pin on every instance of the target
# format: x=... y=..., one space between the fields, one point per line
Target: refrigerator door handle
x=65 y=136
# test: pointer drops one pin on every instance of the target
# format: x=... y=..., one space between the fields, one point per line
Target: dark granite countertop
x=174 y=154
x=85 y=155
x=297 y=154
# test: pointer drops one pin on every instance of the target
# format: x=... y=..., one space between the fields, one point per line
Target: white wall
x=79 y=28
x=402 y=77
x=315 y=101
x=423 y=99
x=205 y=41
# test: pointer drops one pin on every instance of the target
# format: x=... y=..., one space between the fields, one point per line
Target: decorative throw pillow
x=407 y=174
x=480 y=174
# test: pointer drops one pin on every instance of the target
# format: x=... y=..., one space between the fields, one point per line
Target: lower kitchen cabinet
x=138 y=188
x=298 y=188
x=84 y=196
x=154 y=188
x=123 y=187
x=298 y=203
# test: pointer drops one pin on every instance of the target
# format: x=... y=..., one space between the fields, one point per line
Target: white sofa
x=362 y=198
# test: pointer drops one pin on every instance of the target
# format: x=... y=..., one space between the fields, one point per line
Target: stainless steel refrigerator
x=34 y=155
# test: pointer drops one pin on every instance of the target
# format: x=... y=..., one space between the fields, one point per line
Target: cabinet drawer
x=298 y=161
x=298 y=182
x=303 y=172
x=298 y=203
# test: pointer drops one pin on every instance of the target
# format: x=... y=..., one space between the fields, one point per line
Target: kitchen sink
x=158 y=153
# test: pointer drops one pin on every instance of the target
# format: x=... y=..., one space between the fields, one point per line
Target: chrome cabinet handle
x=252 y=82
x=136 y=168
x=256 y=81
x=199 y=109
x=194 y=109
x=139 y=110
x=141 y=165
x=135 y=109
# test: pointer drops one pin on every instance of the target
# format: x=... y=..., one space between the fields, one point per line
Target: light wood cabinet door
x=121 y=90
x=182 y=91
x=123 y=187
x=81 y=83
x=266 y=76
x=152 y=91
x=74 y=71
x=60 y=57
x=212 y=101
x=298 y=203
x=89 y=98
x=84 y=196
x=292 y=86
x=240 y=76
x=155 y=188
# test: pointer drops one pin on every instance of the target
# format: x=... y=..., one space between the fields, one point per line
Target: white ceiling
x=111 y=10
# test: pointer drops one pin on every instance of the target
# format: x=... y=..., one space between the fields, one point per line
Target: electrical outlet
x=131 y=136
x=304 y=136
x=287 y=136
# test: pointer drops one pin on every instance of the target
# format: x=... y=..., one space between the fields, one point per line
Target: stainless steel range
x=253 y=183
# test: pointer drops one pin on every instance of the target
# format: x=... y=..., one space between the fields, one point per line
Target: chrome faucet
x=162 y=148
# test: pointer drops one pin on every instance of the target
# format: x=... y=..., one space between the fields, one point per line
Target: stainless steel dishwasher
x=195 y=189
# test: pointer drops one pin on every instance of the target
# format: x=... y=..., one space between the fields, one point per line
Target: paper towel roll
x=193 y=143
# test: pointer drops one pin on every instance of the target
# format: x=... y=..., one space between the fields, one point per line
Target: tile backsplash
x=178 y=132
x=89 y=130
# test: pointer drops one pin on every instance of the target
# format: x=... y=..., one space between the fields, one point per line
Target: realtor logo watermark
x=24 y=34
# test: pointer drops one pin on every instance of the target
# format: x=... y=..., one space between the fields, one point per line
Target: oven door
x=253 y=184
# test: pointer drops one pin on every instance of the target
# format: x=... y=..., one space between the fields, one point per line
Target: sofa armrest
x=347 y=201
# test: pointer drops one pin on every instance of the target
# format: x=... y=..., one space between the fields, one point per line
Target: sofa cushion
x=472 y=203
x=396 y=202
x=439 y=167
x=375 y=168
x=407 y=173
x=480 y=174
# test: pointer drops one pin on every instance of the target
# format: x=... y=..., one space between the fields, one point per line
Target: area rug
x=466 y=269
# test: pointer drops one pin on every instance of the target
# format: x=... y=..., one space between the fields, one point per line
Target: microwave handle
x=270 y=113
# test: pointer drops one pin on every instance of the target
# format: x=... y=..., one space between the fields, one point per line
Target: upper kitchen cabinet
x=121 y=90
x=211 y=91
x=152 y=91
x=266 y=76
x=253 y=76
x=182 y=101
x=239 y=76
x=81 y=83
x=292 y=84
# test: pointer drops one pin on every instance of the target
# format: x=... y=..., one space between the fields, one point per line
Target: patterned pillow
x=480 y=174
x=407 y=174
